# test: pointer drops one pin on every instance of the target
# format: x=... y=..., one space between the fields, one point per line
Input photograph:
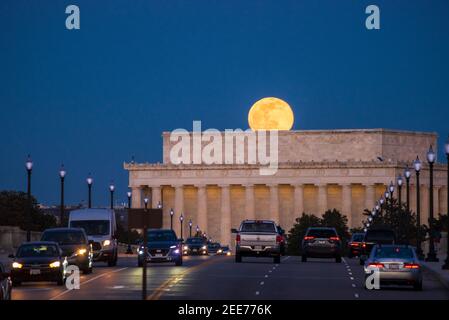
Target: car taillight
x=237 y=239
x=376 y=265
x=411 y=266
x=354 y=244
x=334 y=238
x=363 y=245
x=309 y=238
x=278 y=239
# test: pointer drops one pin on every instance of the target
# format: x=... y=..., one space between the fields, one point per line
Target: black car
x=213 y=247
x=163 y=246
x=38 y=261
x=355 y=245
x=5 y=284
x=373 y=237
x=74 y=245
x=195 y=246
x=224 y=251
x=320 y=242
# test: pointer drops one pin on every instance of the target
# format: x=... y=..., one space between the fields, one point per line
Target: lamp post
x=89 y=181
x=391 y=189
x=181 y=219
x=387 y=196
x=129 y=194
x=111 y=189
x=419 y=252
x=171 y=218
x=62 y=174
x=431 y=255
x=197 y=229
x=446 y=149
x=190 y=228
x=159 y=205
x=29 y=167
x=381 y=201
x=407 y=175
x=400 y=182
x=145 y=201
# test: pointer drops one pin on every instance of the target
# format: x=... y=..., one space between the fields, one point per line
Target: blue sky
x=92 y=98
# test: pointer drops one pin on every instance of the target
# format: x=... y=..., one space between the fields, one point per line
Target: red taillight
x=411 y=266
x=354 y=244
x=309 y=238
x=334 y=238
x=376 y=265
x=363 y=245
x=278 y=239
x=237 y=239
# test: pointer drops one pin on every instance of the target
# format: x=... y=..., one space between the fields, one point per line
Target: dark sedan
x=74 y=245
x=321 y=242
x=163 y=246
x=38 y=261
x=355 y=245
x=5 y=284
x=195 y=246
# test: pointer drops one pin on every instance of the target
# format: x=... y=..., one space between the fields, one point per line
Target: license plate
x=321 y=242
x=258 y=248
x=35 y=272
x=158 y=255
x=195 y=250
x=393 y=266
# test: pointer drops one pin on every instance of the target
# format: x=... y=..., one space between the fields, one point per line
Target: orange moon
x=270 y=114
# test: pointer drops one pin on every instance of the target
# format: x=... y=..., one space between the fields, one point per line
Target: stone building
x=318 y=170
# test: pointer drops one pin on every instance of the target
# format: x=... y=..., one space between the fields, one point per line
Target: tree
x=334 y=219
x=13 y=210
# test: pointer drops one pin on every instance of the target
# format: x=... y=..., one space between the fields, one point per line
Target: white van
x=101 y=229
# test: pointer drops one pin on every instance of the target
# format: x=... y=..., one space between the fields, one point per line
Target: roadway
x=216 y=277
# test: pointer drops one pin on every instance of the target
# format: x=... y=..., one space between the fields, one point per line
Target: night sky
x=92 y=98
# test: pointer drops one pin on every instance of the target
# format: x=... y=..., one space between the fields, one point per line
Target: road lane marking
x=270 y=271
x=257 y=293
x=87 y=281
x=352 y=278
x=356 y=295
x=266 y=276
x=353 y=285
x=262 y=283
x=286 y=258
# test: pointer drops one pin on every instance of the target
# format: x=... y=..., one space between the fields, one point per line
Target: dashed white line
x=266 y=276
x=257 y=293
x=262 y=283
x=353 y=285
x=356 y=295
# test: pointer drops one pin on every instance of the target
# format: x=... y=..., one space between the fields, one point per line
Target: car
x=258 y=238
x=5 y=284
x=74 y=245
x=38 y=261
x=162 y=246
x=213 y=247
x=375 y=236
x=224 y=251
x=395 y=264
x=101 y=228
x=283 y=240
x=195 y=246
x=355 y=245
x=321 y=242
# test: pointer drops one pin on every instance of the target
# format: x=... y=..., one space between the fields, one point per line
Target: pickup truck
x=258 y=238
x=374 y=237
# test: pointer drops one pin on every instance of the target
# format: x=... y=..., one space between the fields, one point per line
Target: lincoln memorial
x=318 y=170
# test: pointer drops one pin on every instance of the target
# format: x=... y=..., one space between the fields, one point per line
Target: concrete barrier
x=12 y=237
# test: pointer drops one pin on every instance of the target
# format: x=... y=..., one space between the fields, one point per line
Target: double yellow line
x=158 y=292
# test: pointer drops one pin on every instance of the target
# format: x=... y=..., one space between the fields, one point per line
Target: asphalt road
x=216 y=277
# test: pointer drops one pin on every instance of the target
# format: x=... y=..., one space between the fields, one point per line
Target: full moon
x=270 y=114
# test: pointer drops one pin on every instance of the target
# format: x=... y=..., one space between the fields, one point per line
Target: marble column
x=436 y=202
x=322 y=199
x=136 y=200
x=179 y=208
x=347 y=203
x=274 y=203
x=298 y=202
x=202 y=208
x=156 y=196
x=250 y=212
x=370 y=196
x=225 y=230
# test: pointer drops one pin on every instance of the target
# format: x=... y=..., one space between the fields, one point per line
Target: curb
x=444 y=280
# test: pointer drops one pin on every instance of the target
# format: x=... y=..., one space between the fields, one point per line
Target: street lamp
x=181 y=219
x=129 y=194
x=29 y=167
x=190 y=228
x=431 y=255
x=391 y=189
x=145 y=201
x=417 y=166
x=62 y=174
x=171 y=218
x=407 y=175
x=89 y=181
x=387 y=196
x=197 y=229
x=111 y=189
x=159 y=205
x=446 y=149
x=400 y=182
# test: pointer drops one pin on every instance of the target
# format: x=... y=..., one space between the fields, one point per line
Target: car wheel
x=178 y=262
x=338 y=259
x=418 y=286
x=277 y=259
x=303 y=258
x=113 y=262
x=361 y=262
x=238 y=258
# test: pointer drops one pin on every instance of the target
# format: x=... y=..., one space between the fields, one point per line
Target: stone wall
x=12 y=237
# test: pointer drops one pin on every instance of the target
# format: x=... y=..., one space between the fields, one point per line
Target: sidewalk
x=435 y=269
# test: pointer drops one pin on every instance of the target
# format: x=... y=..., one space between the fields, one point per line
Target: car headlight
x=17 y=265
x=106 y=243
x=173 y=247
x=220 y=251
x=81 y=252
x=186 y=247
x=176 y=251
x=204 y=247
x=55 y=264
x=228 y=253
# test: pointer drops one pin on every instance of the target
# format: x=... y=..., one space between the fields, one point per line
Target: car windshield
x=92 y=227
x=379 y=235
x=258 y=227
x=321 y=233
x=214 y=245
x=64 y=237
x=394 y=252
x=195 y=241
x=40 y=250
x=358 y=237
x=160 y=236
